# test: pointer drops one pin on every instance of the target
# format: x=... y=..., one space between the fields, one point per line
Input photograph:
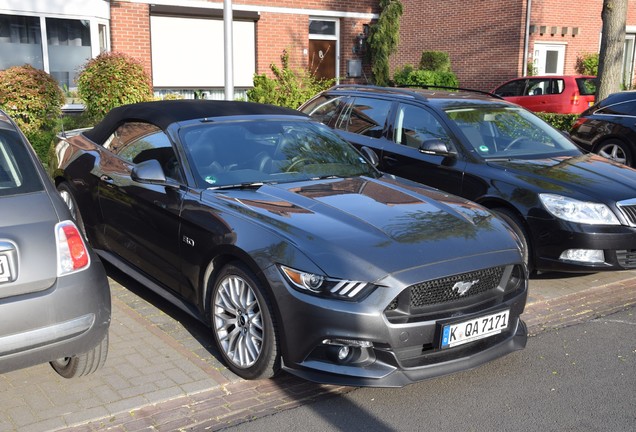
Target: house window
x=179 y=63
x=20 y=41
x=69 y=47
x=56 y=45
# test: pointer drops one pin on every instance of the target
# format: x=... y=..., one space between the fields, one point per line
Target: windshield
x=509 y=132
x=241 y=153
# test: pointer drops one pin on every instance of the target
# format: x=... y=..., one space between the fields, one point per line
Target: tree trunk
x=610 y=65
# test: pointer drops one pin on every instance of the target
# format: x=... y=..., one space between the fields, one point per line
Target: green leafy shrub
x=437 y=61
x=112 y=79
x=562 y=122
x=587 y=64
x=408 y=76
x=31 y=97
x=288 y=88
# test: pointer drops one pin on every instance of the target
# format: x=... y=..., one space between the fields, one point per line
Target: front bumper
x=69 y=318
x=391 y=349
x=553 y=236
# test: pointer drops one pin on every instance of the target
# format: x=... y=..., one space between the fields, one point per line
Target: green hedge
x=562 y=122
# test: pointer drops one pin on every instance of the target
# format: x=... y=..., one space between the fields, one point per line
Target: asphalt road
x=580 y=378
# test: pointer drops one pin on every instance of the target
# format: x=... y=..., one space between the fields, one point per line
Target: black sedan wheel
x=67 y=196
x=243 y=325
x=616 y=150
x=517 y=226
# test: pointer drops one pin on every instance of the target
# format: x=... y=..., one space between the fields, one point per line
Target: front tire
x=82 y=364
x=518 y=227
x=243 y=325
x=616 y=150
x=67 y=196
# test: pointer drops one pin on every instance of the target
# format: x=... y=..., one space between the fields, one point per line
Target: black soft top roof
x=164 y=113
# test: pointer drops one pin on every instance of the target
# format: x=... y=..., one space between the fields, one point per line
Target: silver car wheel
x=614 y=152
x=69 y=201
x=238 y=321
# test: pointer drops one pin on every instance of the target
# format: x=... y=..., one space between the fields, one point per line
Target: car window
x=624 y=108
x=587 y=86
x=538 y=87
x=365 y=116
x=414 y=125
x=17 y=173
x=136 y=142
x=272 y=151
x=324 y=108
x=513 y=88
x=508 y=132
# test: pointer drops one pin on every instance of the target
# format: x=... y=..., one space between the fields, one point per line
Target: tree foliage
x=384 y=38
x=587 y=64
x=112 y=79
x=288 y=88
x=614 y=16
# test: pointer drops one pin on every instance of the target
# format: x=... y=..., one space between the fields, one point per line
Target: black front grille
x=629 y=210
x=450 y=288
x=626 y=258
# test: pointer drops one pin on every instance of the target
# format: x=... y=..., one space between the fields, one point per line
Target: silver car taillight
x=72 y=254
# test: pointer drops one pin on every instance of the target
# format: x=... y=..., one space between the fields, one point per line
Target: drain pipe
x=228 y=45
x=526 y=41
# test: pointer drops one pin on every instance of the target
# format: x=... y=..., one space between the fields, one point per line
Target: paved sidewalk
x=164 y=374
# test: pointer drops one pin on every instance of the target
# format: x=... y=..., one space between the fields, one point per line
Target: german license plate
x=5 y=271
x=474 y=329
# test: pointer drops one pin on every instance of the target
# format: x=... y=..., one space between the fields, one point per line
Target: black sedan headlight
x=316 y=284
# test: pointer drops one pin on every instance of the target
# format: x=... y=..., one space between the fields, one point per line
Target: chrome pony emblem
x=463 y=287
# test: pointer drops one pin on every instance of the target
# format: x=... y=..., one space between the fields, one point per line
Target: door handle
x=389 y=160
x=106 y=179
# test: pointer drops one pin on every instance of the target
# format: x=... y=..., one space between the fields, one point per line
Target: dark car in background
x=609 y=128
x=298 y=254
x=564 y=94
x=574 y=211
x=54 y=294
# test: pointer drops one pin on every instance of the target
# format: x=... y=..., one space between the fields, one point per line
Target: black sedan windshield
x=509 y=132
x=242 y=153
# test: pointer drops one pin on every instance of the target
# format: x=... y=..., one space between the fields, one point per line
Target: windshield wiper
x=245 y=185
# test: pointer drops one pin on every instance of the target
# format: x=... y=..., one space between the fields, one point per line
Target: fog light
x=350 y=342
x=343 y=353
x=583 y=255
x=349 y=351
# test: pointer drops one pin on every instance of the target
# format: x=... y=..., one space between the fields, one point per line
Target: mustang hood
x=364 y=224
x=586 y=177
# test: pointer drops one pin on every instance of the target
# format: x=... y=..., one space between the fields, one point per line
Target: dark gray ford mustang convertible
x=297 y=253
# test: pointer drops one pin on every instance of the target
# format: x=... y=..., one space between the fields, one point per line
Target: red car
x=563 y=94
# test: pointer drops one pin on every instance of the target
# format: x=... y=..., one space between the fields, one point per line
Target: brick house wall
x=130 y=31
x=275 y=32
x=485 y=38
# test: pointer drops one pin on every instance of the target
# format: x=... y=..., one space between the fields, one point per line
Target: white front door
x=549 y=59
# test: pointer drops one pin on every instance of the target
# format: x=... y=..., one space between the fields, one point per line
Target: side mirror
x=370 y=156
x=437 y=147
x=149 y=171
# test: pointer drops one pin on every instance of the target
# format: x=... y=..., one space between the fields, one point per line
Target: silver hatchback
x=54 y=294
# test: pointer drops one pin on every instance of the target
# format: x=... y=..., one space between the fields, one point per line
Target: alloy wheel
x=238 y=321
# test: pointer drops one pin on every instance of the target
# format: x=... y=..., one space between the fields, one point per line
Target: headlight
x=316 y=284
x=578 y=211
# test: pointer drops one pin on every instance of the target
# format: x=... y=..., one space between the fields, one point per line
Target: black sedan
x=576 y=212
x=609 y=128
x=299 y=254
